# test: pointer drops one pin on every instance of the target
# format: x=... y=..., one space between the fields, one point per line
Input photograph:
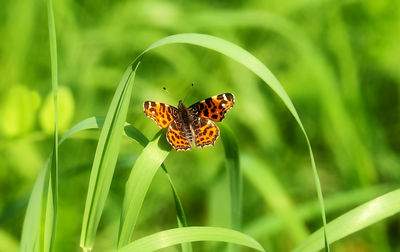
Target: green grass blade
x=172 y=237
x=271 y=224
x=94 y=122
x=32 y=233
x=180 y=213
x=138 y=136
x=31 y=230
x=231 y=148
x=105 y=158
x=49 y=205
x=354 y=220
x=253 y=64
x=143 y=171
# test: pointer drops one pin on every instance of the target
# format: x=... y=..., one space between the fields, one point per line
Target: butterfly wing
x=177 y=137
x=206 y=132
x=213 y=108
x=163 y=114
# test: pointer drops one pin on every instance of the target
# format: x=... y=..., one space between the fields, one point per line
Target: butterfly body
x=187 y=125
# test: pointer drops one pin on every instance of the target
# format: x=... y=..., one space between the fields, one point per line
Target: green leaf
x=31 y=231
x=138 y=136
x=94 y=122
x=354 y=220
x=39 y=229
x=138 y=184
x=176 y=236
x=253 y=64
x=105 y=158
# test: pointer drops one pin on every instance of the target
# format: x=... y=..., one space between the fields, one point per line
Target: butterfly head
x=181 y=105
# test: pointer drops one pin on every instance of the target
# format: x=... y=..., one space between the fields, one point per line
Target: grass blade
x=138 y=184
x=135 y=134
x=105 y=158
x=50 y=215
x=39 y=227
x=270 y=224
x=94 y=122
x=253 y=64
x=138 y=136
x=355 y=220
x=31 y=231
x=175 y=236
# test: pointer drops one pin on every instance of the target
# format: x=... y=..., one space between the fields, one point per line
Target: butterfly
x=191 y=124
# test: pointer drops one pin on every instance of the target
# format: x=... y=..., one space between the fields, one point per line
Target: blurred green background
x=337 y=60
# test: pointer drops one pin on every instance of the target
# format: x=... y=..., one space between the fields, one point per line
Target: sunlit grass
x=339 y=74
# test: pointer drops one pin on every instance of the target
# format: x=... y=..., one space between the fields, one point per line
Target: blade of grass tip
x=106 y=157
x=142 y=173
x=138 y=136
x=176 y=236
x=253 y=64
x=361 y=217
x=231 y=148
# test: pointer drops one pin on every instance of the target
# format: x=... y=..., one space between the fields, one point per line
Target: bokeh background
x=337 y=60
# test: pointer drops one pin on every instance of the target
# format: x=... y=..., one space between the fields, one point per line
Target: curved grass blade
x=253 y=64
x=138 y=136
x=143 y=171
x=176 y=236
x=94 y=122
x=354 y=220
x=105 y=158
x=271 y=224
x=231 y=148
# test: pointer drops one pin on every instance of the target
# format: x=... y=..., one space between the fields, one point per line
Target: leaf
x=253 y=64
x=354 y=220
x=31 y=231
x=176 y=236
x=146 y=165
x=106 y=157
x=138 y=136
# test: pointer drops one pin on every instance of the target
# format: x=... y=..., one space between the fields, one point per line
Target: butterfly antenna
x=188 y=91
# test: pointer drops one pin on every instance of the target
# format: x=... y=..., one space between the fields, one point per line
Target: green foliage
x=336 y=61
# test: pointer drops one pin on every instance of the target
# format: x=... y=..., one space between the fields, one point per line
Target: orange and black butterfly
x=192 y=124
